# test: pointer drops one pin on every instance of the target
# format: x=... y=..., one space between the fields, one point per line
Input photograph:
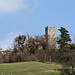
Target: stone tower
x=50 y=33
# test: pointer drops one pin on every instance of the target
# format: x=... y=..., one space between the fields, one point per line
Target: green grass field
x=29 y=68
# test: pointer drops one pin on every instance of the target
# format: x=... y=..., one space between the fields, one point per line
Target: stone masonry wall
x=50 y=33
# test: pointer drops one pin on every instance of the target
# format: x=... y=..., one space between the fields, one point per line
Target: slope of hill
x=29 y=68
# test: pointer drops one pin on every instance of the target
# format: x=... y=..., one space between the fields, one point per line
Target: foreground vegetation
x=30 y=68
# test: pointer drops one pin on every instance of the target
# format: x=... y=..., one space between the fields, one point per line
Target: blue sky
x=32 y=16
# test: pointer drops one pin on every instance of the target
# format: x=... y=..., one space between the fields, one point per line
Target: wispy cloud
x=7 y=41
x=13 y=6
x=32 y=4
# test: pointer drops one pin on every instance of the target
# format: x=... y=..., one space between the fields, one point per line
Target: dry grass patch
x=50 y=71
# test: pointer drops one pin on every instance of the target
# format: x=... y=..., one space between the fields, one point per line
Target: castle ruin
x=50 y=33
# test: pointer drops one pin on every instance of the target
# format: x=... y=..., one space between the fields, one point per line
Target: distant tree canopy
x=64 y=38
x=36 y=43
x=29 y=43
x=19 y=43
x=32 y=44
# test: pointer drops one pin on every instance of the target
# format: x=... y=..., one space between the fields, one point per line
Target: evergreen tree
x=64 y=40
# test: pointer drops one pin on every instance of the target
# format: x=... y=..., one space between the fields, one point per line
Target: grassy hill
x=29 y=68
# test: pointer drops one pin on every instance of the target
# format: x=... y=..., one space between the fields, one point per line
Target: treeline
x=35 y=47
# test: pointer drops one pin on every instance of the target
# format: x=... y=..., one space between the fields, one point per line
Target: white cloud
x=7 y=41
x=13 y=6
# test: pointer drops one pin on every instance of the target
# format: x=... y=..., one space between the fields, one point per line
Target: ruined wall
x=50 y=33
